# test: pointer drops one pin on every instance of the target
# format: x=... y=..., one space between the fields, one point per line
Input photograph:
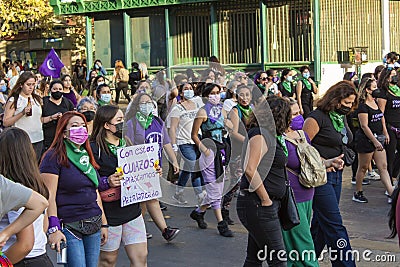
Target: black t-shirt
x=327 y=141
x=116 y=215
x=306 y=95
x=374 y=118
x=392 y=110
x=274 y=178
x=50 y=108
x=285 y=92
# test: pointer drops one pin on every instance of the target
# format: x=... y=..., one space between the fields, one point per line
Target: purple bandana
x=214 y=112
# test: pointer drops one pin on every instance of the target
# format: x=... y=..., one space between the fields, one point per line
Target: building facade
x=246 y=34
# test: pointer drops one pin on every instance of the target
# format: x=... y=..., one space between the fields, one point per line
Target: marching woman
x=27 y=247
x=214 y=156
x=126 y=223
x=69 y=171
x=285 y=86
x=328 y=131
x=263 y=182
x=182 y=116
x=23 y=110
x=69 y=91
x=144 y=128
x=53 y=108
x=370 y=139
x=388 y=100
x=240 y=117
x=305 y=89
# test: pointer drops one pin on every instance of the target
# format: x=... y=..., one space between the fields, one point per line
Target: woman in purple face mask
x=299 y=238
x=70 y=173
x=214 y=156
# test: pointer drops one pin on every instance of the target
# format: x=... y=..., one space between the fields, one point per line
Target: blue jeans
x=327 y=226
x=82 y=252
x=265 y=241
x=190 y=155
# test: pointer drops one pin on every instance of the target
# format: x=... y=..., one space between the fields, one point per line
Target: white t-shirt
x=186 y=119
x=229 y=104
x=274 y=88
x=32 y=124
x=12 y=195
x=39 y=246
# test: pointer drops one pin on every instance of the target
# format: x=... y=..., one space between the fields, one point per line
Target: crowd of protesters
x=216 y=128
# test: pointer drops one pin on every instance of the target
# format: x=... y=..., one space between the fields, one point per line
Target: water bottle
x=62 y=255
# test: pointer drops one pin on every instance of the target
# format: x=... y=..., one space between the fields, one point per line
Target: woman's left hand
x=104 y=235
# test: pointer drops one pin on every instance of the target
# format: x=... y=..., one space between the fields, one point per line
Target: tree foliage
x=19 y=14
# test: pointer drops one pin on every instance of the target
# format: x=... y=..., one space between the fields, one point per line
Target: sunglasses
x=345 y=139
x=264 y=78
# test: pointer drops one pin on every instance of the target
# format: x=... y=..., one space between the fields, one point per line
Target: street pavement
x=366 y=224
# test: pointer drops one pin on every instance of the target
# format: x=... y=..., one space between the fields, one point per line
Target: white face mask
x=289 y=78
x=146 y=108
x=106 y=97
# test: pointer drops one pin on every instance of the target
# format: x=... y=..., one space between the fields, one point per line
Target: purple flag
x=52 y=65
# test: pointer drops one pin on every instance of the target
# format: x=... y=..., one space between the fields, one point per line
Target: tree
x=17 y=14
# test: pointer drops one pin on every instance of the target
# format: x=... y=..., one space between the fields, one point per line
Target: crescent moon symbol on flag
x=50 y=64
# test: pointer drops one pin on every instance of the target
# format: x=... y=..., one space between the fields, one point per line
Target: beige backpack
x=312 y=169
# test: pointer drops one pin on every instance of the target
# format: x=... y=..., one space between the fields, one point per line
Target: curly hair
x=383 y=82
x=339 y=91
x=281 y=111
x=366 y=83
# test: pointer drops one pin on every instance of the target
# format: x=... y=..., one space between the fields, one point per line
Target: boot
x=199 y=218
x=224 y=229
x=225 y=217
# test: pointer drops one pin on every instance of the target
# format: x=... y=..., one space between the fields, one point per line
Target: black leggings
x=394 y=144
x=122 y=86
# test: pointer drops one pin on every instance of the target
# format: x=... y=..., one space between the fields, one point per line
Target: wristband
x=54 y=222
x=105 y=226
x=174 y=147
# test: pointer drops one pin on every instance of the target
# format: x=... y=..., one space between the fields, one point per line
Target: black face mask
x=376 y=93
x=118 y=127
x=56 y=95
x=395 y=80
x=89 y=115
x=343 y=110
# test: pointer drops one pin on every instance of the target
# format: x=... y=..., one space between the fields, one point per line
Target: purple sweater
x=76 y=194
x=301 y=193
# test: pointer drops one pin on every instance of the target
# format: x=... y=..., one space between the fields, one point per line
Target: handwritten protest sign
x=141 y=181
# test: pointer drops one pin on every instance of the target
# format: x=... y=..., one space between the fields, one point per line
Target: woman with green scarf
x=305 y=89
x=239 y=116
x=144 y=128
x=70 y=173
x=103 y=95
x=286 y=86
x=328 y=131
x=105 y=141
x=389 y=103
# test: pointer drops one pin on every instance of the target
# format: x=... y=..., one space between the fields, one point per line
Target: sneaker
x=359 y=197
x=170 y=233
x=372 y=175
x=149 y=236
x=179 y=198
x=364 y=182
x=162 y=206
x=199 y=218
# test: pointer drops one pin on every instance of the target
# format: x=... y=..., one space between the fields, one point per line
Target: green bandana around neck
x=246 y=111
x=144 y=121
x=287 y=86
x=337 y=120
x=262 y=87
x=281 y=141
x=114 y=148
x=80 y=158
x=395 y=90
x=306 y=83
x=102 y=103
